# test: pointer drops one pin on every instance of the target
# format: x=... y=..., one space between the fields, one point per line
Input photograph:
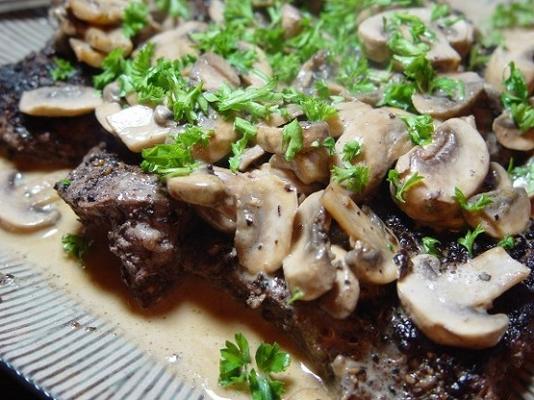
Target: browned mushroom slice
x=101 y=12
x=308 y=267
x=291 y=180
x=374 y=244
x=106 y=41
x=86 y=54
x=59 y=101
x=176 y=43
x=271 y=140
x=342 y=300
x=460 y=35
x=510 y=136
x=457 y=157
x=509 y=210
x=291 y=20
x=214 y=71
x=220 y=141
x=266 y=208
x=310 y=167
x=216 y=11
x=105 y=110
x=519 y=48
x=450 y=306
x=442 y=107
x=250 y=156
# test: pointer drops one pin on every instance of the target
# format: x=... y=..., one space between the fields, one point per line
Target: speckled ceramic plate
x=51 y=341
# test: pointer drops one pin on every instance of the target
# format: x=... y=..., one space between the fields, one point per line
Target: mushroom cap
x=457 y=157
x=176 y=43
x=442 y=107
x=100 y=12
x=308 y=266
x=510 y=136
x=450 y=307
x=199 y=189
x=86 y=54
x=108 y=40
x=103 y=111
x=214 y=71
x=220 y=142
x=460 y=35
x=266 y=209
x=59 y=101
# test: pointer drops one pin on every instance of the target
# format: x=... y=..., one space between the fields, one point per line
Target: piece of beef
x=375 y=353
x=58 y=141
x=143 y=223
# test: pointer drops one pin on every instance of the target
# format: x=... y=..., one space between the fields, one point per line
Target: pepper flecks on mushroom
x=457 y=158
x=450 y=306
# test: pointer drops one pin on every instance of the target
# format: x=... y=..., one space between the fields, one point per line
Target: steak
x=375 y=353
x=58 y=141
x=141 y=221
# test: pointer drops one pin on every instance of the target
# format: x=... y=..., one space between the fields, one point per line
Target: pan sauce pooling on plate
x=354 y=190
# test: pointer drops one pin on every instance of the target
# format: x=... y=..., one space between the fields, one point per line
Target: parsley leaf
x=420 y=128
x=62 y=70
x=440 y=11
x=419 y=69
x=514 y=14
x=453 y=88
x=430 y=245
x=112 y=66
x=248 y=131
x=507 y=243
x=175 y=8
x=234 y=361
x=316 y=109
x=515 y=98
x=292 y=139
x=402 y=187
x=524 y=176
x=398 y=95
x=135 y=18
x=270 y=358
x=523 y=116
x=481 y=202
x=469 y=239
x=352 y=177
x=75 y=246
x=296 y=295
x=351 y=150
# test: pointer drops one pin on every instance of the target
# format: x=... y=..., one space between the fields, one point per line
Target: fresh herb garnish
x=65 y=182
x=469 y=239
x=507 y=243
x=112 y=67
x=524 y=175
x=235 y=368
x=402 y=187
x=248 y=132
x=399 y=95
x=175 y=8
x=471 y=206
x=351 y=150
x=296 y=295
x=420 y=128
x=515 y=98
x=514 y=14
x=430 y=245
x=352 y=177
x=75 y=246
x=292 y=139
x=453 y=88
x=62 y=70
x=135 y=18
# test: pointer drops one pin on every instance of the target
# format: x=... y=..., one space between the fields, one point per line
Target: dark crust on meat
x=141 y=220
x=58 y=141
x=375 y=353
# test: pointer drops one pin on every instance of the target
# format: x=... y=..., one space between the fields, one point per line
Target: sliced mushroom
x=374 y=244
x=137 y=129
x=214 y=71
x=457 y=157
x=509 y=210
x=383 y=136
x=105 y=110
x=101 y=12
x=176 y=43
x=509 y=135
x=450 y=307
x=261 y=65
x=220 y=142
x=442 y=107
x=308 y=266
x=519 y=48
x=291 y=180
x=342 y=300
x=250 y=156
x=59 y=101
x=291 y=20
x=216 y=11
x=26 y=208
x=270 y=138
x=86 y=54
x=106 y=41
x=309 y=167
x=266 y=208
x=526 y=181
x=460 y=35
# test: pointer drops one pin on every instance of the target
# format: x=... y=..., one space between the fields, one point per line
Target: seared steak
x=375 y=353
x=142 y=222
x=62 y=141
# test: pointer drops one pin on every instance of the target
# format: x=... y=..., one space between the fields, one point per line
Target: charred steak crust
x=142 y=222
x=376 y=353
x=60 y=141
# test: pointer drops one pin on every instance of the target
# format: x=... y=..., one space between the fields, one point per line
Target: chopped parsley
x=351 y=150
x=514 y=14
x=296 y=295
x=401 y=187
x=66 y=182
x=75 y=246
x=62 y=70
x=329 y=144
x=399 y=95
x=236 y=369
x=524 y=175
x=472 y=206
x=468 y=240
x=430 y=245
x=175 y=8
x=507 y=243
x=453 y=88
x=248 y=132
x=292 y=139
x=515 y=99
x=420 y=128
x=351 y=177
x=135 y=18
x=112 y=67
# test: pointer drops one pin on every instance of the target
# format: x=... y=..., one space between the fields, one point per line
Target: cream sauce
x=185 y=330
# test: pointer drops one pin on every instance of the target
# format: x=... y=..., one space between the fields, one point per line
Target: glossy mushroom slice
x=374 y=245
x=308 y=267
x=137 y=128
x=509 y=210
x=214 y=71
x=220 y=141
x=457 y=157
x=26 y=207
x=266 y=209
x=342 y=300
x=460 y=34
x=442 y=107
x=100 y=12
x=510 y=136
x=86 y=54
x=270 y=138
x=291 y=20
x=309 y=167
x=177 y=43
x=59 y=101
x=108 y=40
x=450 y=306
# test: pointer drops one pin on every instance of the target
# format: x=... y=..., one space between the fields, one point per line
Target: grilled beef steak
x=375 y=353
x=60 y=141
